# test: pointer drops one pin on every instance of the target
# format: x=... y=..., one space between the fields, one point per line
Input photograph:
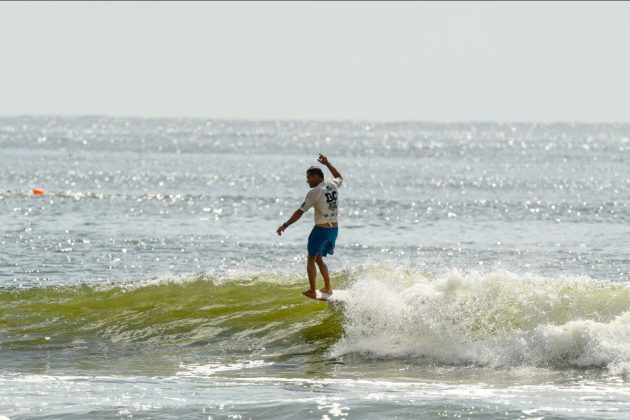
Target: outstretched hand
x=322 y=159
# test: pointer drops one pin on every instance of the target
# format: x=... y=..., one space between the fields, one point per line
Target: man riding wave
x=324 y=198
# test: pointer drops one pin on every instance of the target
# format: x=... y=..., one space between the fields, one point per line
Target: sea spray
x=495 y=319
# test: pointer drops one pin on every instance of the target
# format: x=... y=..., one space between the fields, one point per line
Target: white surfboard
x=338 y=296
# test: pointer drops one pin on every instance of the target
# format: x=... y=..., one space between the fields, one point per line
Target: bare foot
x=310 y=293
x=323 y=290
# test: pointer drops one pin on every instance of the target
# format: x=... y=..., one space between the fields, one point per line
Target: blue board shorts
x=321 y=241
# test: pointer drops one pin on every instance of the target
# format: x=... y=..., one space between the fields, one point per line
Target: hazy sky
x=565 y=61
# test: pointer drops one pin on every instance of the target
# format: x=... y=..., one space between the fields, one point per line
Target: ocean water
x=488 y=266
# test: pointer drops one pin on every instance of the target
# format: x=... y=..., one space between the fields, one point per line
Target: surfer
x=323 y=197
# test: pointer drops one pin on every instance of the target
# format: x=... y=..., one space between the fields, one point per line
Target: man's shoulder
x=311 y=193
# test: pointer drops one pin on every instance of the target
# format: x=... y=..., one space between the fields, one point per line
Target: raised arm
x=324 y=160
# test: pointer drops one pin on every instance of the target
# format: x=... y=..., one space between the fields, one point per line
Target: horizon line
x=293 y=119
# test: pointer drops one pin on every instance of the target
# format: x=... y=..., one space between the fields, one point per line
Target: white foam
x=214 y=368
x=183 y=279
x=496 y=319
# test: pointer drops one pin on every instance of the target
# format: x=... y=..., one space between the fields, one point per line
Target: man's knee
x=319 y=260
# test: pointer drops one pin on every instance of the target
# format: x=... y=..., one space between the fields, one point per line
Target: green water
x=154 y=328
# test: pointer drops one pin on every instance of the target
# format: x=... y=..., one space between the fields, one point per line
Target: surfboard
x=338 y=296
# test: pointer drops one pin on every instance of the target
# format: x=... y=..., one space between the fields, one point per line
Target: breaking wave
x=494 y=319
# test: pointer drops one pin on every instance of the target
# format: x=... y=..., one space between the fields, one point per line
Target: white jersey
x=325 y=200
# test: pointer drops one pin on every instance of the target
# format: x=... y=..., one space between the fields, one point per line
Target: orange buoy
x=37 y=191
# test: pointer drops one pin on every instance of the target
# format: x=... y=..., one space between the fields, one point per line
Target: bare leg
x=311 y=270
x=323 y=268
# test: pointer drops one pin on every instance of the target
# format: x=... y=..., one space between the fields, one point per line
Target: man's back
x=324 y=198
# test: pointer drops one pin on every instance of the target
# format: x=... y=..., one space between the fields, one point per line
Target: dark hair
x=314 y=170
